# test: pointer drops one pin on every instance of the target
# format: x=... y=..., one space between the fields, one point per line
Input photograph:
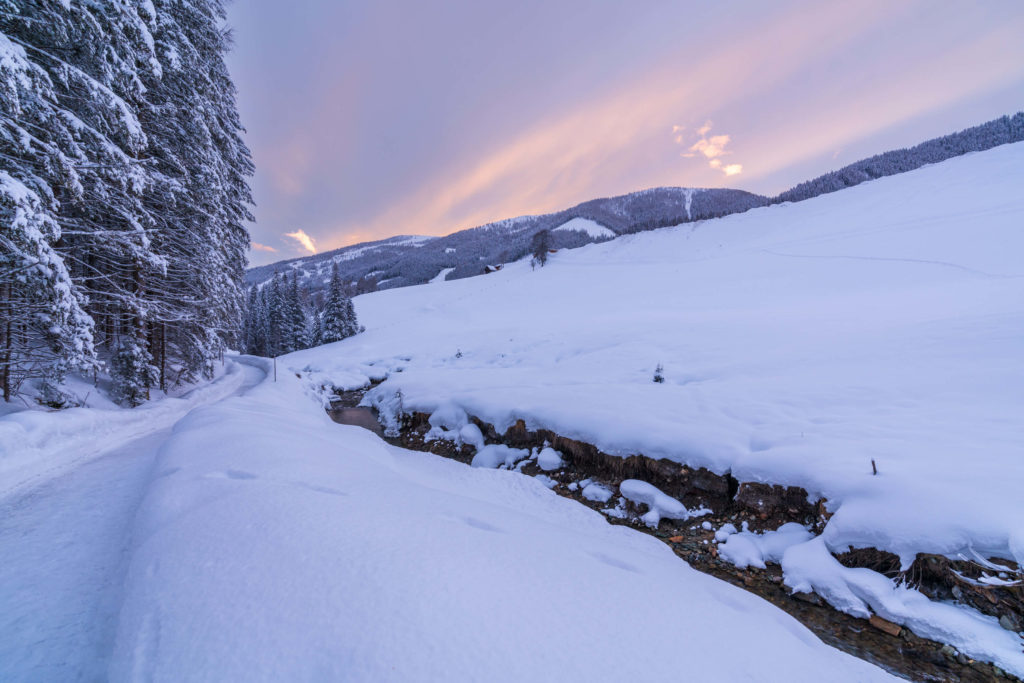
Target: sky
x=373 y=118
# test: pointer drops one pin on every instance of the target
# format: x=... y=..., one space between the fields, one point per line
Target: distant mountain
x=411 y=260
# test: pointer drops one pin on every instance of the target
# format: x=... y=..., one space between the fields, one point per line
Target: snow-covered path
x=64 y=545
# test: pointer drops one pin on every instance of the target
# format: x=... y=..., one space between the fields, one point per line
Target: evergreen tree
x=296 y=317
x=338 y=319
x=125 y=182
x=43 y=327
x=276 y=317
x=539 y=246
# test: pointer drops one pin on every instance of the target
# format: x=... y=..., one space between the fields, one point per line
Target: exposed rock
x=885 y=625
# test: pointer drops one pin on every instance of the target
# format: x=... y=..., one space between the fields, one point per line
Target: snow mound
x=748 y=549
x=549 y=459
x=660 y=505
x=497 y=455
x=597 y=493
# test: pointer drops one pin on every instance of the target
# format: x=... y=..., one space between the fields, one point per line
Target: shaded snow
x=281 y=546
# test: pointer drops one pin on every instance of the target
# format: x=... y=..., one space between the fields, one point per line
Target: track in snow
x=64 y=549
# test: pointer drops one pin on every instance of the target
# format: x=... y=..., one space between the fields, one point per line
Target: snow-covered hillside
x=275 y=545
x=800 y=342
x=409 y=260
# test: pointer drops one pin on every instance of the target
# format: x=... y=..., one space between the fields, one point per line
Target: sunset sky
x=372 y=118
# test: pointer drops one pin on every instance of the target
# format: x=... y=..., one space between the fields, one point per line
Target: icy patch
x=660 y=505
x=597 y=493
x=749 y=549
x=725 y=531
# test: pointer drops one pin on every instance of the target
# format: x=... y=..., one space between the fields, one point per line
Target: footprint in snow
x=323 y=489
x=231 y=474
x=613 y=562
x=484 y=526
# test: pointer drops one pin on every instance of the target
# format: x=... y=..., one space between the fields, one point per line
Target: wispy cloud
x=608 y=139
x=302 y=238
x=262 y=247
x=711 y=148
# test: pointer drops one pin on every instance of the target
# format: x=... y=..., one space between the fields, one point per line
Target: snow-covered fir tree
x=338 y=319
x=124 y=181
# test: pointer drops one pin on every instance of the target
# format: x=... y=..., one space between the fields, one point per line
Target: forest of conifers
x=123 y=192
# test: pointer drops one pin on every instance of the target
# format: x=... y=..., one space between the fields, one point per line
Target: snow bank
x=36 y=446
x=861 y=592
x=276 y=545
x=748 y=549
x=660 y=505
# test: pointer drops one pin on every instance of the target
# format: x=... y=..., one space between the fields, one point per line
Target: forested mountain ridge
x=1001 y=131
x=411 y=260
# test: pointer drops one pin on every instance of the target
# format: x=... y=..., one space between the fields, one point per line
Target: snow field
x=274 y=544
x=800 y=342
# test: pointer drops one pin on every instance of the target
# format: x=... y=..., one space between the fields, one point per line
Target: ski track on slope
x=925 y=262
x=65 y=545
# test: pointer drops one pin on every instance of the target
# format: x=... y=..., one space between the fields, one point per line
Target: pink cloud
x=302 y=238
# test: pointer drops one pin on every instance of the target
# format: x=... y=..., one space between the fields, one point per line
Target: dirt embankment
x=761 y=506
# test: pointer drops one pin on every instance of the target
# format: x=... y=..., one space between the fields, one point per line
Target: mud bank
x=762 y=507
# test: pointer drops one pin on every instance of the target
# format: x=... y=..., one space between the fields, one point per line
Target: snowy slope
x=799 y=341
x=276 y=545
x=586 y=226
x=36 y=446
x=410 y=260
